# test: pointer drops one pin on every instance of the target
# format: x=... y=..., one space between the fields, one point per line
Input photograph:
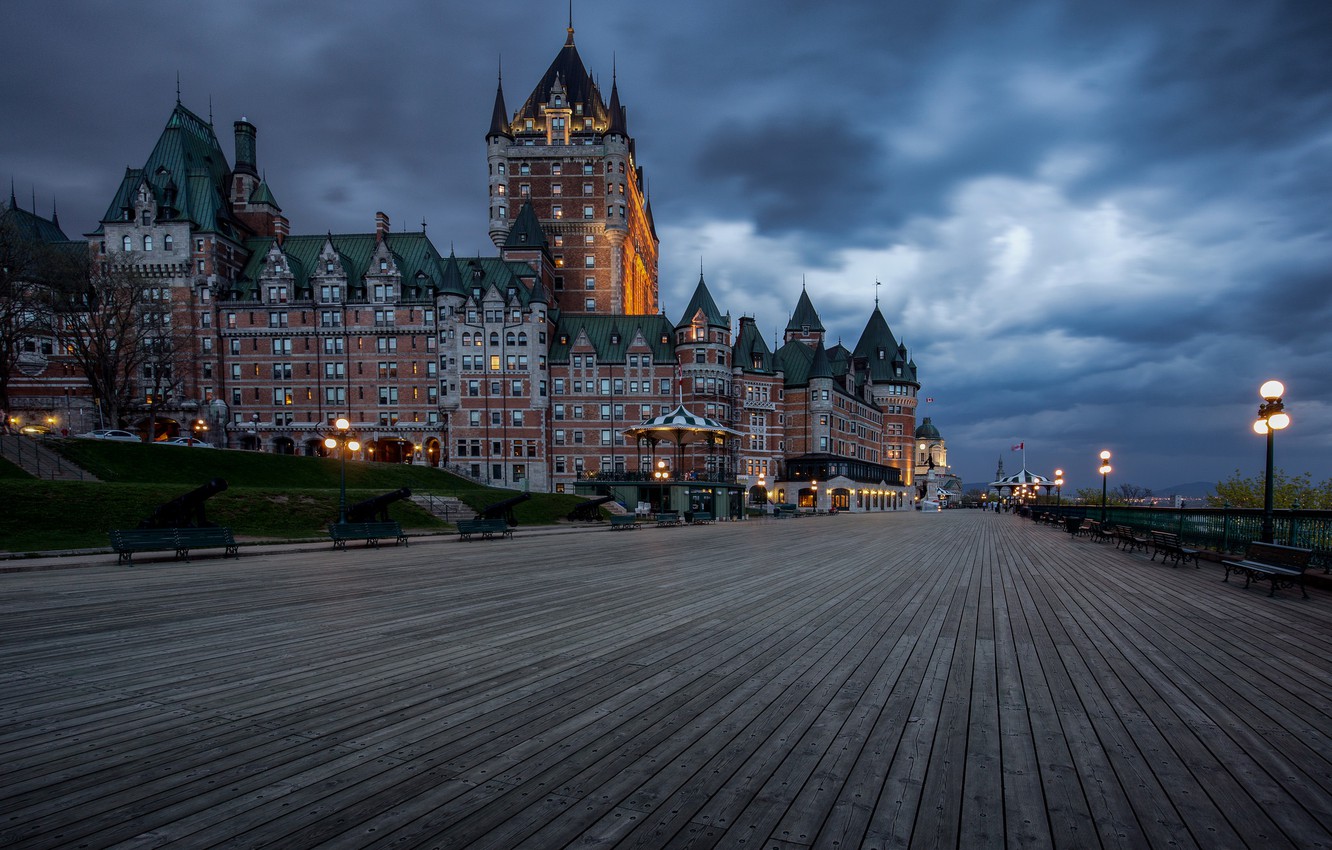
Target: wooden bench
x=1283 y=566
x=485 y=528
x=1129 y=538
x=618 y=521
x=125 y=542
x=784 y=509
x=1084 y=528
x=370 y=532
x=1102 y=532
x=1166 y=543
x=668 y=518
x=700 y=519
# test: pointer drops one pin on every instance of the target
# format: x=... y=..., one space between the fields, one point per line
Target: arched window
x=147 y=243
x=494 y=338
x=467 y=339
x=522 y=338
x=510 y=339
x=127 y=244
x=167 y=242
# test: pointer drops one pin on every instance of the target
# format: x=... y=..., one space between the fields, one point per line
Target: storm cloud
x=1096 y=224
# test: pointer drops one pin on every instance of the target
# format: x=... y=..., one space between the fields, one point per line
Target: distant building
x=520 y=370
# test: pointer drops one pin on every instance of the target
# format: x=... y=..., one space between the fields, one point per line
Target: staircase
x=447 y=508
x=37 y=460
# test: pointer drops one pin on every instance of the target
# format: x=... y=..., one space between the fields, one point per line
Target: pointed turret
x=702 y=302
x=821 y=366
x=451 y=282
x=526 y=231
x=617 y=121
x=499 y=117
x=877 y=346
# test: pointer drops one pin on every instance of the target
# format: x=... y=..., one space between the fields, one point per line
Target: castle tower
x=568 y=153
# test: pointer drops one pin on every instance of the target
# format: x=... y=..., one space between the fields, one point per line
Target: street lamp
x=814 y=485
x=763 y=487
x=1105 y=471
x=1059 y=489
x=660 y=476
x=344 y=438
x=1272 y=417
x=196 y=429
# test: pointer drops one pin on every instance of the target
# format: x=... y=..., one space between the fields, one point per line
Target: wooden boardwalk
x=962 y=680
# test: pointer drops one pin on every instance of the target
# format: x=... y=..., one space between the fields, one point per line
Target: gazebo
x=680 y=428
x=1013 y=486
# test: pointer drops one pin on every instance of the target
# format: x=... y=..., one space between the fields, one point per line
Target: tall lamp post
x=815 y=486
x=1105 y=472
x=342 y=437
x=1272 y=417
x=660 y=475
x=1059 y=489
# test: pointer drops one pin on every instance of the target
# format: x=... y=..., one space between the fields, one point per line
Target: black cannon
x=503 y=510
x=185 y=511
x=588 y=511
x=377 y=508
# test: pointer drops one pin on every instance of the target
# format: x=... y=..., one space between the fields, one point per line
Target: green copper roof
x=820 y=366
x=601 y=330
x=878 y=347
x=579 y=87
x=794 y=359
x=526 y=231
x=264 y=195
x=415 y=257
x=31 y=226
x=187 y=172
x=702 y=301
x=804 y=315
x=751 y=352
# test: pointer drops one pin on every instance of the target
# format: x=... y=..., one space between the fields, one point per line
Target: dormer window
x=383 y=265
x=328 y=268
x=615 y=339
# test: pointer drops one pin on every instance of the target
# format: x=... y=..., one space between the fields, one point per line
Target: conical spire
x=821 y=366
x=804 y=315
x=617 y=122
x=526 y=231
x=499 y=118
x=702 y=300
x=452 y=282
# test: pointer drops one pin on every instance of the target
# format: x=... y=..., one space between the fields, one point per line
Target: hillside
x=269 y=497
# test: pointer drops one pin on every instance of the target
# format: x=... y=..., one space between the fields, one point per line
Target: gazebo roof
x=1020 y=479
x=679 y=426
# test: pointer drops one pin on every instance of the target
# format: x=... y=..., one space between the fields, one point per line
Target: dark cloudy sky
x=1098 y=224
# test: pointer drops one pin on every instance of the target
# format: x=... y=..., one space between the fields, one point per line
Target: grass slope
x=268 y=497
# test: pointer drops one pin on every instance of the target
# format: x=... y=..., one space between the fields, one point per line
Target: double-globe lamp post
x=1272 y=417
x=344 y=438
x=1105 y=472
x=1059 y=489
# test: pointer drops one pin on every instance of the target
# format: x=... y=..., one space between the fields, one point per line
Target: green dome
x=927 y=431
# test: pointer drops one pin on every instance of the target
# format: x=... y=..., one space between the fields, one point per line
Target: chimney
x=381 y=226
x=280 y=228
x=246 y=162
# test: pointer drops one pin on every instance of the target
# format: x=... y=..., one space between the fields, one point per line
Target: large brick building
x=521 y=369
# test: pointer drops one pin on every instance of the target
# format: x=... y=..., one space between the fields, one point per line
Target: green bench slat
x=486 y=528
x=126 y=541
x=370 y=532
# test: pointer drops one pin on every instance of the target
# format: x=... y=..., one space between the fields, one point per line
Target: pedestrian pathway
x=959 y=679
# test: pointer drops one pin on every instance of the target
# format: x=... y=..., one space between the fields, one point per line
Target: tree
x=26 y=267
x=1130 y=494
x=108 y=329
x=1240 y=492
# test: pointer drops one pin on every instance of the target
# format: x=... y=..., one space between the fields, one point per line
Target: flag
x=1019 y=447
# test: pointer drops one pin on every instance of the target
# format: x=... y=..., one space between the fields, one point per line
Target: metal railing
x=31 y=456
x=1225 y=530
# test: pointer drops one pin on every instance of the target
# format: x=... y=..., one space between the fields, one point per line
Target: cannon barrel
x=588 y=511
x=376 y=508
x=504 y=509
x=185 y=511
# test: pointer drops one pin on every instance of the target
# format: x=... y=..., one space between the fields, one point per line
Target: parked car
x=184 y=441
x=111 y=434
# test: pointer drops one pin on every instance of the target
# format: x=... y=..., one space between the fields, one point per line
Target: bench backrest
x=1165 y=538
x=1278 y=556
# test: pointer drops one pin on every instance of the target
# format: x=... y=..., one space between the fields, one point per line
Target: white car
x=111 y=434
x=185 y=441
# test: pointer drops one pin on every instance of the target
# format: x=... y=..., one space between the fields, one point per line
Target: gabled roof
x=751 y=352
x=32 y=226
x=413 y=254
x=804 y=315
x=526 y=231
x=187 y=173
x=702 y=301
x=600 y=329
x=794 y=359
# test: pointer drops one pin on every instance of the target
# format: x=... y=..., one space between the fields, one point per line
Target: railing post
x=1225 y=527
